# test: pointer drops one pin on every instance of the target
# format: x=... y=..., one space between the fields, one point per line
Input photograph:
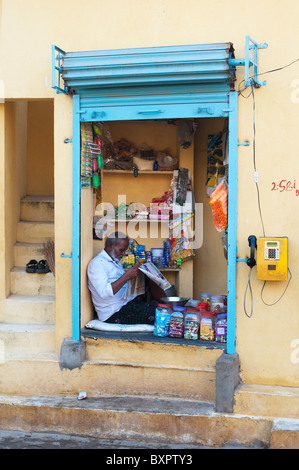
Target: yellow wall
x=28 y=30
x=15 y=139
x=40 y=148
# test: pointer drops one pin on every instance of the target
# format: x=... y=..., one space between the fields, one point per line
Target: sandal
x=31 y=267
x=42 y=267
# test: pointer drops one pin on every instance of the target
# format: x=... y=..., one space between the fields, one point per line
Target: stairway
x=27 y=318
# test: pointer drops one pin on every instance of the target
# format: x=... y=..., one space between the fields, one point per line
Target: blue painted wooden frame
x=76 y=226
x=232 y=222
x=232 y=113
x=180 y=97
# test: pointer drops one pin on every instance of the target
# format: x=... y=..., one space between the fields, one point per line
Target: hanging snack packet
x=219 y=205
x=181 y=249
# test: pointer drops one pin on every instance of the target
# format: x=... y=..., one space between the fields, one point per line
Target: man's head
x=116 y=245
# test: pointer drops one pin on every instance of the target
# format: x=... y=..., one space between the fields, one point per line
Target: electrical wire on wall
x=248 y=285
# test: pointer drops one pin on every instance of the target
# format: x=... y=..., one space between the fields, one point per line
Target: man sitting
x=107 y=283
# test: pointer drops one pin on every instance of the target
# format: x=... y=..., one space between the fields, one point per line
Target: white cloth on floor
x=102 y=326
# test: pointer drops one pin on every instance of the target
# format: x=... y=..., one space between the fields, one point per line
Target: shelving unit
x=143 y=187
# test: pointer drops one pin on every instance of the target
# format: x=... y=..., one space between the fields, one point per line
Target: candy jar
x=162 y=320
x=176 y=329
x=221 y=328
x=217 y=304
x=207 y=326
x=191 y=324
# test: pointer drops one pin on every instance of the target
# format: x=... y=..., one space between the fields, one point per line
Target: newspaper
x=136 y=286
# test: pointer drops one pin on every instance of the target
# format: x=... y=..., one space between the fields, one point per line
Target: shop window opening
x=163 y=183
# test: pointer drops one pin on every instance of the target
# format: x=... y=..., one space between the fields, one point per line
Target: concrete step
x=134 y=418
x=24 y=252
x=267 y=400
x=18 y=337
x=23 y=283
x=37 y=208
x=101 y=378
x=173 y=368
x=285 y=434
x=29 y=309
x=34 y=232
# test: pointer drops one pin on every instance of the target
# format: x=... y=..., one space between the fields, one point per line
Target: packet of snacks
x=181 y=249
x=219 y=204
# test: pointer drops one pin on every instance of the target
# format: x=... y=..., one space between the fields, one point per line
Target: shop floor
x=149 y=337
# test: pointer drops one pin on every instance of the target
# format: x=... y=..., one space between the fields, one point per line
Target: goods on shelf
x=181 y=248
x=221 y=328
x=162 y=320
x=219 y=206
x=91 y=157
x=207 y=326
x=160 y=257
x=216 y=161
x=193 y=323
x=176 y=329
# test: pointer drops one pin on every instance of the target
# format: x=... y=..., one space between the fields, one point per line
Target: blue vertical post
x=76 y=229
x=232 y=222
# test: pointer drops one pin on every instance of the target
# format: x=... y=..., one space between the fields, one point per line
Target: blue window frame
x=160 y=83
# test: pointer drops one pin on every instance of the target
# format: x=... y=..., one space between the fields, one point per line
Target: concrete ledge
x=285 y=434
x=72 y=354
x=227 y=379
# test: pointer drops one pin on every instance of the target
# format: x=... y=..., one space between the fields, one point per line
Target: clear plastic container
x=217 y=304
x=162 y=320
x=176 y=329
x=221 y=328
x=207 y=326
x=224 y=303
x=192 y=322
x=205 y=298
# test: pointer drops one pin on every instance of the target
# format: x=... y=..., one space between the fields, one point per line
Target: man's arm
x=129 y=274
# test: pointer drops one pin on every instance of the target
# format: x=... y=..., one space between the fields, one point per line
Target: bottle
x=192 y=323
x=217 y=304
x=176 y=329
x=221 y=328
x=162 y=320
x=207 y=326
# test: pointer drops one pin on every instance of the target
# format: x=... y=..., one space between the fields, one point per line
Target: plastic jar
x=224 y=303
x=162 y=320
x=176 y=329
x=221 y=328
x=205 y=298
x=192 y=322
x=217 y=304
x=207 y=326
x=202 y=306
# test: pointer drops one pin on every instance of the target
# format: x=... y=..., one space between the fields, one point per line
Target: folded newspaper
x=136 y=286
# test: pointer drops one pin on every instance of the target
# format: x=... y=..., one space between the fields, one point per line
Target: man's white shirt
x=102 y=271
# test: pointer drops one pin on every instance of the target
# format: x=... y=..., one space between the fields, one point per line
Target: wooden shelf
x=169 y=269
x=140 y=172
x=138 y=220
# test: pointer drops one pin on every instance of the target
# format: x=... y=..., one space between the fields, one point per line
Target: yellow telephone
x=272 y=259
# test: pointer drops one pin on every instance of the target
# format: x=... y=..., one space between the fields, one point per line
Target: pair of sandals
x=40 y=267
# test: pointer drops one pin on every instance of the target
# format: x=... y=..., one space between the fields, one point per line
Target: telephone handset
x=251 y=262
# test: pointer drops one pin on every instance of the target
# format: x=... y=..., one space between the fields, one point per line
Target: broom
x=50 y=254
